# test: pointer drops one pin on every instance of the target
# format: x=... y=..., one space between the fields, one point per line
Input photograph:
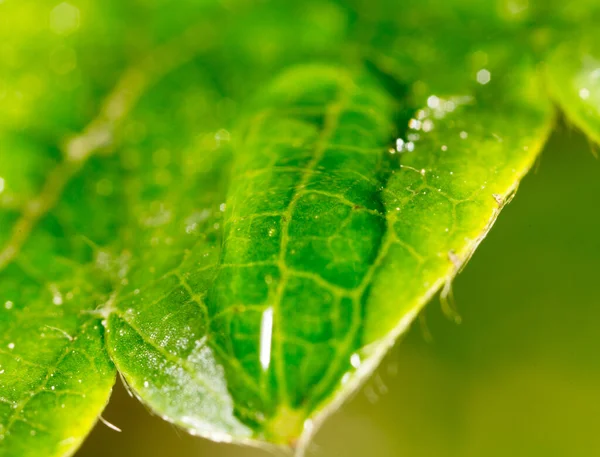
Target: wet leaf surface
x=242 y=229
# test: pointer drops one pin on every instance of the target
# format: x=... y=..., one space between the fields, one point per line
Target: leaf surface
x=330 y=246
x=252 y=248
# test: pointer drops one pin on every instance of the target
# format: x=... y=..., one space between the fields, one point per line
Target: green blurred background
x=519 y=377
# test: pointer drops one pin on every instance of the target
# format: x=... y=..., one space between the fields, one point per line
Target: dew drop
x=584 y=93
x=484 y=76
x=64 y=19
x=8 y=304
x=433 y=102
x=355 y=360
x=427 y=125
x=266 y=336
x=414 y=124
x=400 y=145
x=222 y=136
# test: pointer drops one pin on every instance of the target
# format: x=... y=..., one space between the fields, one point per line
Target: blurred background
x=519 y=377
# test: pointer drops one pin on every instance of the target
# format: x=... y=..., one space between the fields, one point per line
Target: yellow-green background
x=519 y=377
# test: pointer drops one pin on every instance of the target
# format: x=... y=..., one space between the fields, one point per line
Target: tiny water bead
x=587 y=81
x=57 y=298
x=584 y=93
x=424 y=121
x=266 y=336
x=8 y=304
x=222 y=136
x=404 y=146
x=355 y=360
x=64 y=19
x=483 y=76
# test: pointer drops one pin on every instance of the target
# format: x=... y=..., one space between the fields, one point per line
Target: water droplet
x=266 y=336
x=400 y=145
x=584 y=93
x=355 y=360
x=427 y=125
x=8 y=304
x=64 y=19
x=11 y=345
x=222 y=136
x=222 y=207
x=414 y=124
x=308 y=426
x=464 y=135
x=146 y=383
x=191 y=228
x=433 y=102
x=2 y=184
x=484 y=76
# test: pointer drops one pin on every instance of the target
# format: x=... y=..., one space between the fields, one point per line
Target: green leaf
x=573 y=72
x=78 y=220
x=330 y=247
x=247 y=254
x=53 y=366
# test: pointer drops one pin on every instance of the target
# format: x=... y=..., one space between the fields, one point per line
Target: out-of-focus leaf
x=574 y=82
